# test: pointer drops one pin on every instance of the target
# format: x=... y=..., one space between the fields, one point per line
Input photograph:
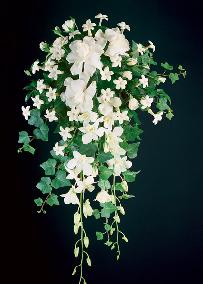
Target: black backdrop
x=164 y=221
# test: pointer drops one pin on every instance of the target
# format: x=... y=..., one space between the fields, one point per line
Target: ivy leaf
x=96 y=213
x=132 y=133
x=107 y=209
x=28 y=148
x=88 y=149
x=99 y=236
x=126 y=196
x=132 y=150
x=105 y=172
x=174 y=77
x=38 y=201
x=35 y=118
x=107 y=227
x=49 y=167
x=104 y=184
x=103 y=157
x=169 y=115
x=23 y=137
x=167 y=66
x=119 y=187
x=162 y=104
x=44 y=185
x=60 y=180
x=42 y=132
x=130 y=176
x=52 y=200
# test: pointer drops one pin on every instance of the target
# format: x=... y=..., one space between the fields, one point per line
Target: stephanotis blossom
x=26 y=111
x=82 y=163
x=92 y=132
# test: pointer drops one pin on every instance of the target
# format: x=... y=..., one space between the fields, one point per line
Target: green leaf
x=103 y=157
x=169 y=115
x=99 y=236
x=28 y=148
x=126 y=196
x=104 y=184
x=96 y=214
x=88 y=149
x=105 y=172
x=162 y=104
x=35 y=118
x=107 y=227
x=132 y=133
x=174 y=77
x=38 y=201
x=57 y=31
x=132 y=150
x=27 y=72
x=49 y=167
x=42 y=132
x=60 y=180
x=24 y=137
x=119 y=187
x=107 y=209
x=44 y=185
x=167 y=66
x=52 y=200
x=129 y=176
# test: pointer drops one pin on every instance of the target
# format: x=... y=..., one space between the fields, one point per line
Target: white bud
x=86 y=241
x=124 y=185
x=131 y=61
x=133 y=104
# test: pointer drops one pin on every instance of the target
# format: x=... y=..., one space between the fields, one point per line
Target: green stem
x=116 y=214
x=82 y=237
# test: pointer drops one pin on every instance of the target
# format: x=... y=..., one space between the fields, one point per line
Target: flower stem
x=116 y=216
x=82 y=237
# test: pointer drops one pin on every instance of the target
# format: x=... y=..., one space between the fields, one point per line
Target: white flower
x=57 y=53
x=82 y=163
x=146 y=102
x=151 y=45
x=101 y=18
x=48 y=65
x=103 y=196
x=128 y=75
x=116 y=61
x=157 y=117
x=88 y=26
x=51 y=94
x=91 y=132
x=113 y=138
x=68 y=25
x=109 y=120
x=85 y=56
x=72 y=34
x=54 y=72
x=119 y=164
x=51 y=115
x=140 y=48
x=70 y=197
x=87 y=209
x=122 y=116
x=120 y=83
x=107 y=94
x=86 y=183
x=87 y=117
x=59 y=149
x=161 y=79
x=76 y=94
x=116 y=102
x=26 y=111
x=123 y=26
x=37 y=101
x=73 y=114
x=35 y=67
x=65 y=132
x=42 y=45
x=106 y=74
x=131 y=61
x=144 y=81
x=41 y=86
x=133 y=104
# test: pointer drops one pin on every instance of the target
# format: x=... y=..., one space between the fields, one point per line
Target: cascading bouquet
x=90 y=90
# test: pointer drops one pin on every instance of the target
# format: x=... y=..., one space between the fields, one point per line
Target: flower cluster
x=92 y=86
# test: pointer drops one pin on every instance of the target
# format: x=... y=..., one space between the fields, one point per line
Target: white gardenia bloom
x=103 y=196
x=88 y=26
x=70 y=197
x=119 y=164
x=131 y=61
x=87 y=117
x=122 y=116
x=87 y=209
x=101 y=18
x=65 y=132
x=73 y=114
x=161 y=79
x=128 y=75
x=106 y=74
x=92 y=132
x=68 y=25
x=82 y=163
x=151 y=45
x=157 y=117
x=35 y=67
x=123 y=26
x=51 y=94
x=77 y=95
x=120 y=83
x=41 y=86
x=86 y=183
x=54 y=72
x=59 y=149
x=144 y=81
x=51 y=115
x=146 y=102
x=133 y=104
x=26 y=111
x=85 y=54
x=37 y=101
x=140 y=48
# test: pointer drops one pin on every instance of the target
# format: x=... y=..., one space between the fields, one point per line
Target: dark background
x=164 y=222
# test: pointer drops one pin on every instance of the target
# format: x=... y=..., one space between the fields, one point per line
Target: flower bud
x=131 y=61
x=133 y=104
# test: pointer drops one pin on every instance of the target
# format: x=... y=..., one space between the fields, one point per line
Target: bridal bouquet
x=88 y=92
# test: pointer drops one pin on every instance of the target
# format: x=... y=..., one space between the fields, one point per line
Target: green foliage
x=88 y=149
x=107 y=209
x=104 y=184
x=119 y=187
x=23 y=137
x=35 y=118
x=38 y=201
x=49 y=167
x=103 y=157
x=60 y=180
x=167 y=66
x=162 y=104
x=174 y=77
x=132 y=150
x=107 y=227
x=52 y=200
x=28 y=148
x=131 y=133
x=96 y=214
x=42 y=132
x=105 y=172
x=129 y=176
x=44 y=185
x=169 y=115
x=99 y=236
